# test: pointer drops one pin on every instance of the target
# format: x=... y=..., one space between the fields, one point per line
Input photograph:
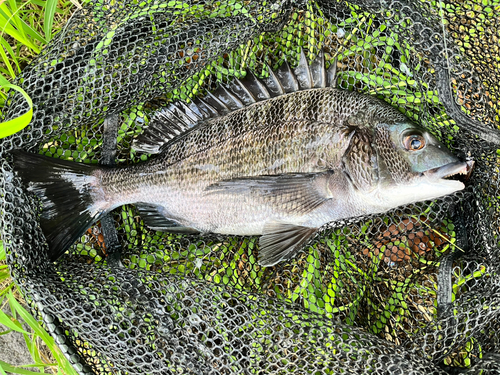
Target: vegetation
x=42 y=347
x=24 y=33
x=25 y=28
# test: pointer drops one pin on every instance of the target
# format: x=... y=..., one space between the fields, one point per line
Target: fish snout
x=458 y=170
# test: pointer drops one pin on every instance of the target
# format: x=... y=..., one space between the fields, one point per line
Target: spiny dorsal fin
x=313 y=75
x=318 y=72
x=239 y=93
x=303 y=73
x=205 y=108
x=254 y=85
x=287 y=78
x=242 y=92
x=331 y=74
x=216 y=103
x=190 y=112
x=164 y=126
x=230 y=100
x=273 y=84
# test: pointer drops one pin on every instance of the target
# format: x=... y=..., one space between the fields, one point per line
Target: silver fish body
x=276 y=164
x=203 y=178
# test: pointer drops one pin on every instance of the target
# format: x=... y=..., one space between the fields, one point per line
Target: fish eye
x=414 y=142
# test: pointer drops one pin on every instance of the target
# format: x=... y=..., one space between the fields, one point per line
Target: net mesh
x=414 y=290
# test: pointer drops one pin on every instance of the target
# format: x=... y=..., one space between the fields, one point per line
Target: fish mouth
x=460 y=171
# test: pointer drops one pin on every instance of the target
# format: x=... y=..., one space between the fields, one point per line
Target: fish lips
x=458 y=170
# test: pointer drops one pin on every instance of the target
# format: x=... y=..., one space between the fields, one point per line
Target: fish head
x=402 y=163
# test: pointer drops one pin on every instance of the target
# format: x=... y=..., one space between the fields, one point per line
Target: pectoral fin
x=155 y=219
x=299 y=193
x=281 y=241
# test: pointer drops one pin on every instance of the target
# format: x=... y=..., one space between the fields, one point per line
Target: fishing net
x=414 y=290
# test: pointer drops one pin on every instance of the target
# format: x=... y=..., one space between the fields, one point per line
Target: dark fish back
x=235 y=95
x=289 y=122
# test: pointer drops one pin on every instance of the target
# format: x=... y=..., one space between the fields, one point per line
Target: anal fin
x=155 y=219
x=280 y=241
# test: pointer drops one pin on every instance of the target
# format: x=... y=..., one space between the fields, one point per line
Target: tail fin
x=68 y=191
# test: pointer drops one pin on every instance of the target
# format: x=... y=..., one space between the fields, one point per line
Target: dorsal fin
x=287 y=78
x=216 y=103
x=331 y=74
x=229 y=99
x=205 y=108
x=242 y=92
x=239 y=93
x=273 y=83
x=179 y=112
x=164 y=126
x=258 y=90
x=303 y=73
x=318 y=71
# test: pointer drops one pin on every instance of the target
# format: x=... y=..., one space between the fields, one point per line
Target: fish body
x=203 y=178
x=277 y=158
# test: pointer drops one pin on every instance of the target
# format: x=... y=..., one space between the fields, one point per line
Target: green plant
x=36 y=337
x=316 y=289
x=23 y=34
x=16 y=124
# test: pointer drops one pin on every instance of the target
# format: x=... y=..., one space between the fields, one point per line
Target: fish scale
x=272 y=157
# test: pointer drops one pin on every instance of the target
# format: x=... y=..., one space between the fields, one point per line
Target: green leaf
x=7 y=288
x=31 y=345
x=17 y=22
x=6 y=59
x=26 y=316
x=38 y=329
x=4 y=366
x=35 y=35
x=13 y=126
x=50 y=10
x=14 y=17
x=2 y=251
x=17 y=28
x=6 y=321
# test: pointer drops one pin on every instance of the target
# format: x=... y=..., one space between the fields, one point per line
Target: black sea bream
x=277 y=157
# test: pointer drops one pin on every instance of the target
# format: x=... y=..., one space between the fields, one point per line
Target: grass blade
x=13 y=126
x=5 y=19
x=12 y=54
x=34 y=34
x=38 y=329
x=50 y=10
x=18 y=28
x=6 y=321
x=4 y=366
x=36 y=351
x=6 y=60
x=14 y=33
x=14 y=17
x=32 y=322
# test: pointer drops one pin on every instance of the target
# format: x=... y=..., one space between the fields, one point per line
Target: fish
x=276 y=157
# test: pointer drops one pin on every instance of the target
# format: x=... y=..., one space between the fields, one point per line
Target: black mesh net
x=414 y=290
